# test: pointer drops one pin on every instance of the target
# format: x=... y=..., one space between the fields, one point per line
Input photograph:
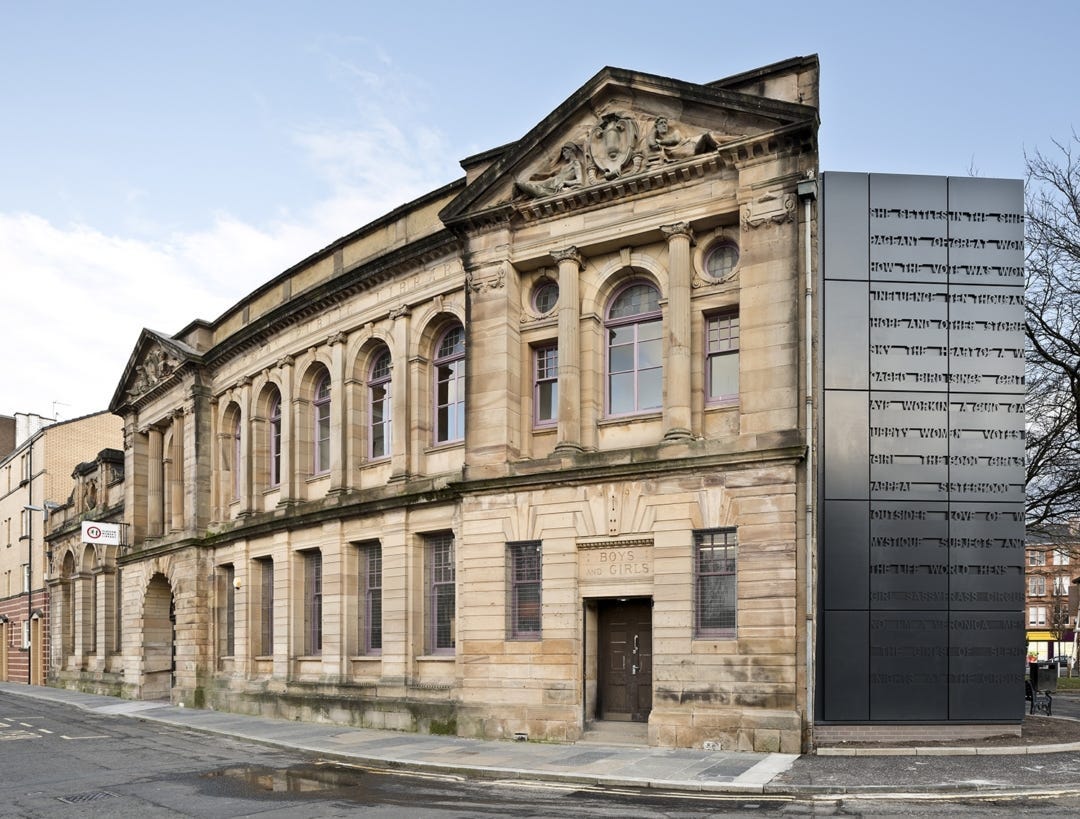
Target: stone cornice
x=586 y=468
x=310 y=303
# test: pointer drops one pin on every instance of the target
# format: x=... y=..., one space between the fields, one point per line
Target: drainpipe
x=807 y=191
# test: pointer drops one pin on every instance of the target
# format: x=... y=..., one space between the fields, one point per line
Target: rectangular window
x=524 y=567
x=1037 y=616
x=1037 y=586
x=1061 y=585
x=1036 y=558
x=722 y=357
x=715 y=557
x=1061 y=558
x=442 y=593
x=546 y=385
x=312 y=603
x=226 y=611
x=265 y=635
x=370 y=598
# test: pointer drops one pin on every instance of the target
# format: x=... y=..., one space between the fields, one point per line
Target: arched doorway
x=67 y=610
x=159 y=639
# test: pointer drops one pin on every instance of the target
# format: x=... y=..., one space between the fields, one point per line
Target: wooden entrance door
x=625 y=660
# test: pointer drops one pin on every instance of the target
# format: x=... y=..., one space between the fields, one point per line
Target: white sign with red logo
x=108 y=533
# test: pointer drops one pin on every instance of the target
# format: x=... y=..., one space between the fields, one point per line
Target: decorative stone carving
x=771 y=207
x=157 y=365
x=90 y=495
x=667 y=143
x=571 y=254
x=491 y=281
x=565 y=172
x=678 y=229
x=613 y=148
x=399 y=311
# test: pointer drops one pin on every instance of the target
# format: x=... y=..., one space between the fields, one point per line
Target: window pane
x=724 y=376
x=651 y=353
x=621 y=359
x=650 y=389
x=649 y=330
x=622 y=393
x=547 y=400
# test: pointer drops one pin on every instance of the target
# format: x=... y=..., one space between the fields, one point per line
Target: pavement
x=909 y=772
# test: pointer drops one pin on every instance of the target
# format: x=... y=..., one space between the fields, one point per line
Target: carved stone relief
x=613 y=148
x=618 y=145
x=771 y=207
x=157 y=365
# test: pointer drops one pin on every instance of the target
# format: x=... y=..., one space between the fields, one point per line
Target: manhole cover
x=89 y=796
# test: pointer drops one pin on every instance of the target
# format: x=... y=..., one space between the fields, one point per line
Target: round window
x=545 y=296
x=721 y=260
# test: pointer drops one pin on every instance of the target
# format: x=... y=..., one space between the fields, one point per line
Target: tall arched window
x=275 y=439
x=450 y=386
x=235 y=432
x=634 y=351
x=379 y=405
x=321 y=403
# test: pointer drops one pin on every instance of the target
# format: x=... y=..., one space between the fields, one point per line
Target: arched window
x=379 y=404
x=321 y=403
x=634 y=351
x=235 y=432
x=275 y=439
x=450 y=386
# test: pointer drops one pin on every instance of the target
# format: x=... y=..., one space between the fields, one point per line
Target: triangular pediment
x=155 y=361
x=621 y=126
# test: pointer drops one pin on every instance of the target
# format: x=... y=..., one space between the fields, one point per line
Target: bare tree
x=1052 y=232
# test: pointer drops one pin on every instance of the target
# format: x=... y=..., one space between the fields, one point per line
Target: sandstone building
x=34 y=477
x=524 y=454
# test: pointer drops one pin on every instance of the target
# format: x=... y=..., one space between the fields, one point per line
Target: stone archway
x=159 y=639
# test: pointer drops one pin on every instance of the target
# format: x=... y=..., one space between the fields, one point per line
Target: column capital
x=678 y=229
x=568 y=254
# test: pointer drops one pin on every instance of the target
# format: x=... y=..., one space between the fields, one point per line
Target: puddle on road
x=307 y=778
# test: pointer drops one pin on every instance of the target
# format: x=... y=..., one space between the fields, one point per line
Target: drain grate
x=89 y=796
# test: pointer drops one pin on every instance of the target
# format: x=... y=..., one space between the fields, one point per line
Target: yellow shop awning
x=1046 y=637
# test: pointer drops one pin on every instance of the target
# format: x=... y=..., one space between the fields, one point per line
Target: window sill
x=445 y=445
x=436 y=658
x=322 y=476
x=722 y=403
x=649 y=415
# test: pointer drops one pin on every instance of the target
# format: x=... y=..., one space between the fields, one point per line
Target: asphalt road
x=58 y=761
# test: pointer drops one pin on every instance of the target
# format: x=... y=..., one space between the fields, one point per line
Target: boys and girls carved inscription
x=921 y=468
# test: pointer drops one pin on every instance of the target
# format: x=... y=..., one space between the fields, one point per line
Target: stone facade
x=36 y=474
x=83 y=582
x=523 y=454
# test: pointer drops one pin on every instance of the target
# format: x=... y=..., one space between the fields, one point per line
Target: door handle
x=635 y=644
x=633 y=669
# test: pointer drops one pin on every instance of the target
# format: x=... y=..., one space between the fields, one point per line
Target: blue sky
x=159 y=161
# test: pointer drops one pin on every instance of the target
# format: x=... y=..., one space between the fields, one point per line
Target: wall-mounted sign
x=107 y=533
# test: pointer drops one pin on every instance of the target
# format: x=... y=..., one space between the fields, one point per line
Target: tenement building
x=522 y=455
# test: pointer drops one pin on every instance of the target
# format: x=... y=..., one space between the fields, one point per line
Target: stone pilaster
x=570 y=262
x=677 y=417
x=155 y=498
